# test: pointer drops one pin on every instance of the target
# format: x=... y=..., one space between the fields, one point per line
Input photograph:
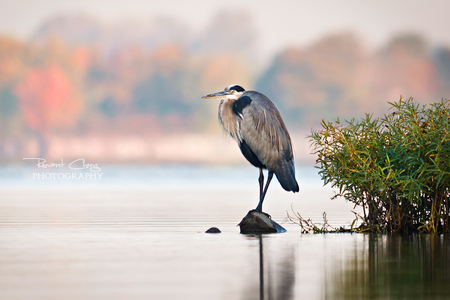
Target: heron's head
x=232 y=91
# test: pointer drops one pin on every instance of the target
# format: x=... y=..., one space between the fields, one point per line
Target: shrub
x=397 y=168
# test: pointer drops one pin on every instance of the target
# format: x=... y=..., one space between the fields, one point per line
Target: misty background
x=115 y=82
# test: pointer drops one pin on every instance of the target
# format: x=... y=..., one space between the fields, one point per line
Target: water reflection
x=393 y=267
x=276 y=272
x=128 y=240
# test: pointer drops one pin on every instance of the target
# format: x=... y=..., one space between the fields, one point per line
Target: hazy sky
x=280 y=23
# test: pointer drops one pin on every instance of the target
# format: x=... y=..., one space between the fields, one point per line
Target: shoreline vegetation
x=396 y=168
x=308 y=225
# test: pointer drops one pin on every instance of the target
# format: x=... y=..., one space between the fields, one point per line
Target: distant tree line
x=77 y=76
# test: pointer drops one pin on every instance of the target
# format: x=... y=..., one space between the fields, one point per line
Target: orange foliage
x=11 y=61
x=167 y=53
x=81 y=59
x=168 y=59
x=219 y=71
x=47 y=100
x=402 y=72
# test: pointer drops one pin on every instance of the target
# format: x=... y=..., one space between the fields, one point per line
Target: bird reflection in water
x=276 y=274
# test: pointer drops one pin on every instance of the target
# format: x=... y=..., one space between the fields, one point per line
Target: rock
x=213 y=230
x=257 y=222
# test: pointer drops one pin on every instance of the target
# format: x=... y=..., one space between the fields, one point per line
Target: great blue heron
x=256 y=125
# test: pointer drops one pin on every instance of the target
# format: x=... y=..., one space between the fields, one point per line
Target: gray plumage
x=256 y=124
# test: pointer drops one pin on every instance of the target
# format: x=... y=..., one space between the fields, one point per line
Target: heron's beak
x=218 y=95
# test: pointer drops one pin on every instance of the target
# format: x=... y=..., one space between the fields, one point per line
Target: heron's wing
x=263 y=130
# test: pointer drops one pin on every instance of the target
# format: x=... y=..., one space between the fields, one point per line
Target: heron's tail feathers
x=286 y=176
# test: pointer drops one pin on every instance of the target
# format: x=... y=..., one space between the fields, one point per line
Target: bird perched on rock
x=255 y=123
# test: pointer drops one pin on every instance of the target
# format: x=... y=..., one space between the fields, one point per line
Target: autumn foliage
x=47 y=99
x=76 y=75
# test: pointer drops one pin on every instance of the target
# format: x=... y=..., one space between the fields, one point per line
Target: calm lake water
x=138 y=233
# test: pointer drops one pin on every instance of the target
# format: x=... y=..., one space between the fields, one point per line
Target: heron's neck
x=229 y=120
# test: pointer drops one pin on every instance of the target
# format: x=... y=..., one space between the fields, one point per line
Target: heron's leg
x=269 y=178
x=261 y=182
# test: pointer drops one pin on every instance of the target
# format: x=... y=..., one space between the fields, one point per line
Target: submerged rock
x=259 y=222
x=213 y=230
